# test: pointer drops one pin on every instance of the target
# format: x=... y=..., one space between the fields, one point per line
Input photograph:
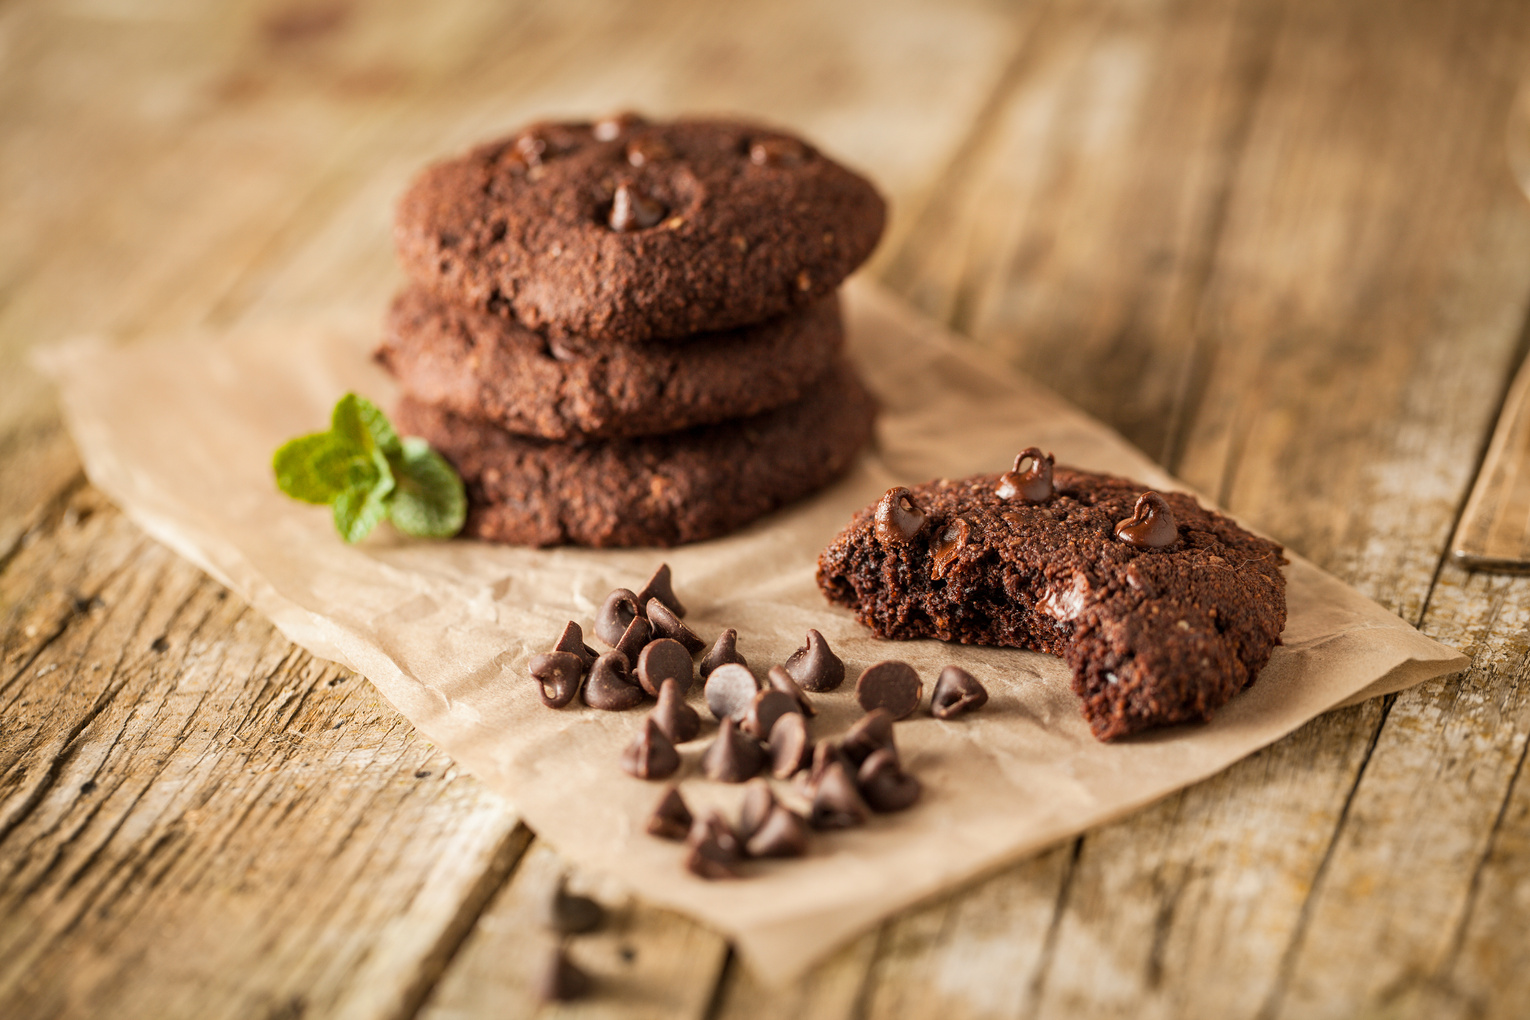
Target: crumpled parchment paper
x=180 y=434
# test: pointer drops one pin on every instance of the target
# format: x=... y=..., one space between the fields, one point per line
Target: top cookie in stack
x=626 y=333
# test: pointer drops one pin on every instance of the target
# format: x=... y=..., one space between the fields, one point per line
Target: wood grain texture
x=1494 y=531
x=1341 y=364
x=180 y=167
x=187 y=827
x=1272 y=241
x=1402 y=874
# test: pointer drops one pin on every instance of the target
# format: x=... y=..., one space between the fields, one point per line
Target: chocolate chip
x=671 y=819
x=1034 y=484
x=872 y=732
x=892 y=685
x=667 y=624
x=572 y=640
x=661 y=660
x=661 y=586
x=782 y=834
x=610 y=128
x=898 y=517
x=769 y=705
x=944 y=552
x=632 y=211
x=561 y=981
x=778 y=152
x=825 y=753
x=837 y=802
x=679 y=721
x=1151 y=525
x=618 y=610
x=814 y=666
x=610 y=686
x=730 y=691
x=642 y=151
x=650 y=755
x=714 y=827
x=788 y=745
x=956 y=691
x=724 y=650
x=572 y=914
x=635 y=638
x=780 y=680
x=559 y=674
x=884 y=784
x=759 y=801
x=733 y=757
x=714 y=848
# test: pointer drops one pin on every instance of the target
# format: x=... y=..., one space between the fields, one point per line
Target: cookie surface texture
x=481 y=365
x=655 y=490
x=1153 y=636
x=718 y=224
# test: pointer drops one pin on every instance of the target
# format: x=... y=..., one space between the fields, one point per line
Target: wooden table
x=1274 y=242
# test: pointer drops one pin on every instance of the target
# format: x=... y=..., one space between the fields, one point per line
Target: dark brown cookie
x=630 y=231
x=485 y=366
x=656 y=490
x=1154 y=634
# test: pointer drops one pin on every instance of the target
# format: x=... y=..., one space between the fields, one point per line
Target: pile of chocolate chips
x=760 y=729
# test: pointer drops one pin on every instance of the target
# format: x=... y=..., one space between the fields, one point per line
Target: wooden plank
x=1383 y=929
x=1494 y=532
x=186 y=826
x=1486 y=971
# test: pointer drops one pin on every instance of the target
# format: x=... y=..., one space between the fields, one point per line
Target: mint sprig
x=365 y=472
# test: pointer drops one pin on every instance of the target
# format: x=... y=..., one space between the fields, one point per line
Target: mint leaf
x=362 y=424
x=429 y=501
x=358 y=509
x=366 y=472
x=305 y=467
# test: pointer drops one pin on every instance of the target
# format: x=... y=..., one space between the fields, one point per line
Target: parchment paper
x=180 y=435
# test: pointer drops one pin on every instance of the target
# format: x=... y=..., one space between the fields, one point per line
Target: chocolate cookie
x=484 y=366
x=1162 y=609
x=626 y=230
x=655 y=490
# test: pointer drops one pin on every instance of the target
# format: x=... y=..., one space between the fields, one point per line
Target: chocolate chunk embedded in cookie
x=656 y=490
x=485 y=366
x=635 y=230
x=1158 y=628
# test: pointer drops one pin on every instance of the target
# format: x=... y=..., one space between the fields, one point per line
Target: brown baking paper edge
x=180 y=434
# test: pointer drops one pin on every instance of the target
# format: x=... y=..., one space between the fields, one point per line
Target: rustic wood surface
x=1276 y=242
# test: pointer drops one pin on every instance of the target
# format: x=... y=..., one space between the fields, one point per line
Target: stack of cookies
x=626 y=333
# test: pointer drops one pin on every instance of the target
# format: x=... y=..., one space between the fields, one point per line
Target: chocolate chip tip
x=1152 y=524
x=898 y=518
x=671 y=818
x=814 y=666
